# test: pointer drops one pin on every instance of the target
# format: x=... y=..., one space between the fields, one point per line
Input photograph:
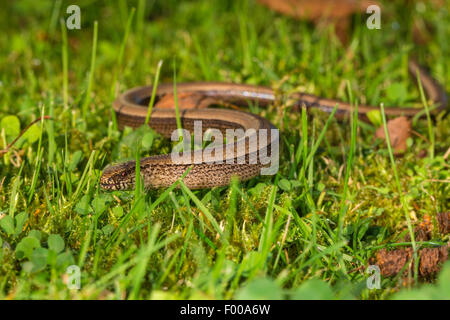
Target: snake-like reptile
x=161 y=171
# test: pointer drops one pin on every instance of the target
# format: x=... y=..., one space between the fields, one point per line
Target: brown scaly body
x=161 y=171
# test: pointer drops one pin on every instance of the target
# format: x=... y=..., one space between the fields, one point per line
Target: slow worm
x=216 y=168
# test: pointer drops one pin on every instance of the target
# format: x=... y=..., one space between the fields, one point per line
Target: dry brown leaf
x=328 y=11
x=317 y=9
x=399 y=131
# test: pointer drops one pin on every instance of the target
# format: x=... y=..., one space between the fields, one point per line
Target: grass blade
x=87 y=97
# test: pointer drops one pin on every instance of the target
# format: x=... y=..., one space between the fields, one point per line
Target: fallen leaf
x=311 y=10
x=399 y=130
x=328 y=11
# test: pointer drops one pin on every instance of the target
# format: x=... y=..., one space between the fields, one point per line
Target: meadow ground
x=307 y=232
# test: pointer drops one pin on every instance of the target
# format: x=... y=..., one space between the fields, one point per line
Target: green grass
x=338 y=197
